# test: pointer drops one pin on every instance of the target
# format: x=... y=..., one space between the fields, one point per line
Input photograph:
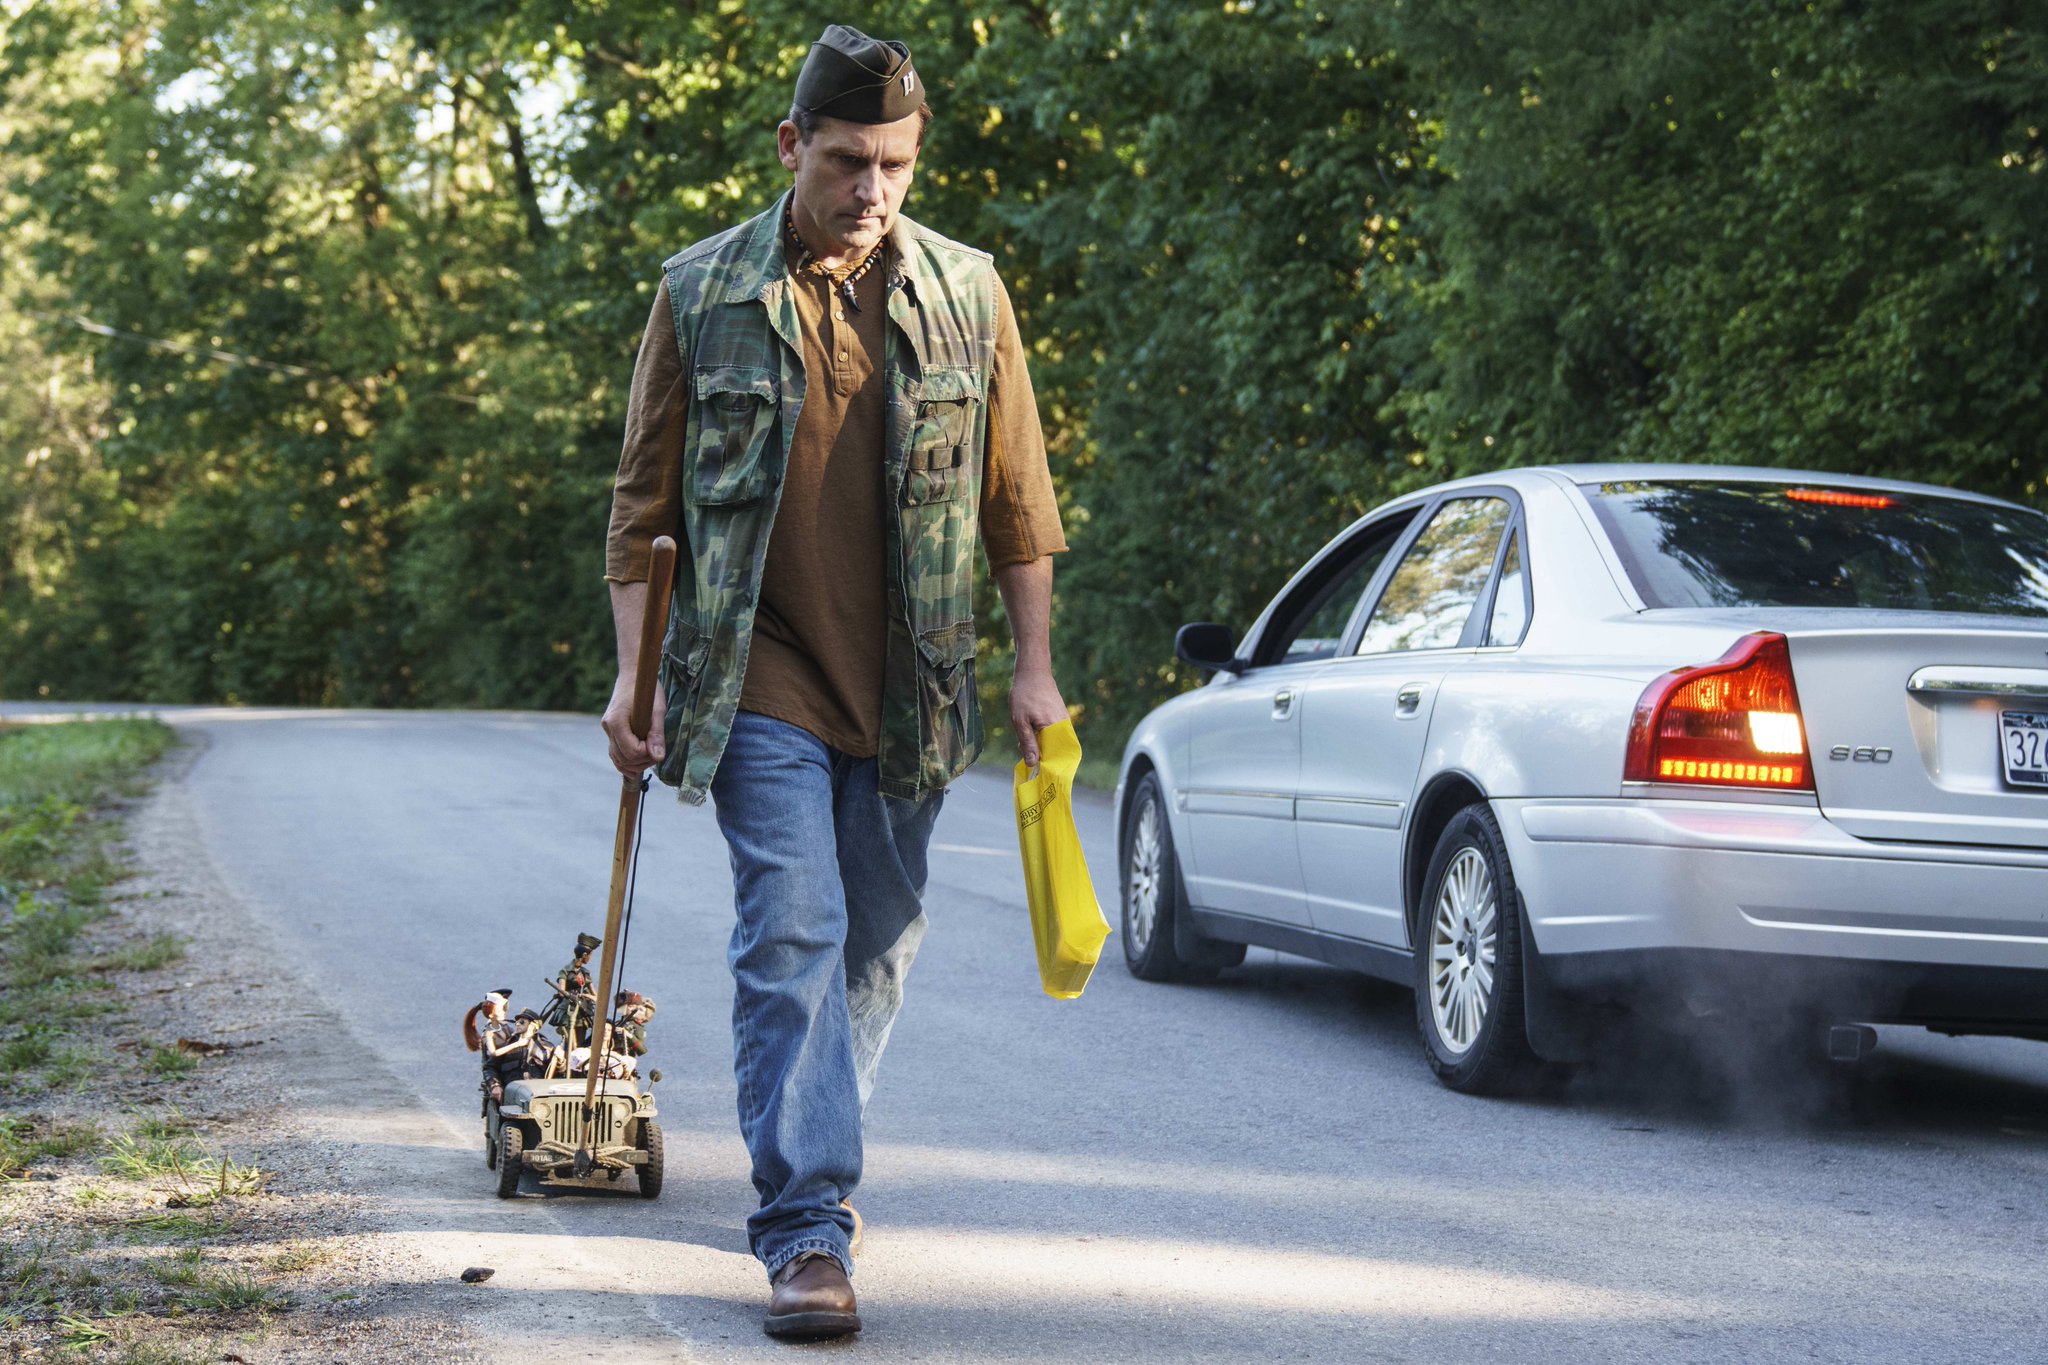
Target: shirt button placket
x=842 y=335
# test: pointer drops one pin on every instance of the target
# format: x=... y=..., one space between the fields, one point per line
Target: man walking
x=830 y=407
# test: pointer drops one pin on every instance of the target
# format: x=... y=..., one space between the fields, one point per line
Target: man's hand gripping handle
x=640 y=617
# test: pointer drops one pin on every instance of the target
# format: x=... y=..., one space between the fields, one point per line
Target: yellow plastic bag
x=1065 y=918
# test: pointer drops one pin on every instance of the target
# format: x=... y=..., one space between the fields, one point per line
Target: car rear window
x=1712 y=544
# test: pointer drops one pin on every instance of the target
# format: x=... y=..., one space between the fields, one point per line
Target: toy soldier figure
x=629 y=1027
x=493 y=1039
x=576 y=1004
x=829 y=410
x=532 y=1053
x=491 y=1011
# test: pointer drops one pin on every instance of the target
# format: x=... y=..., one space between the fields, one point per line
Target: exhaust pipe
x=1851 y=1042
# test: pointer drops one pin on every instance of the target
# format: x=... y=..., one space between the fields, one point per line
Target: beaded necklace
x=844 y=284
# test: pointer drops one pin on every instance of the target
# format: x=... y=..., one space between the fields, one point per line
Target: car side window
x=1510 y=619
x=1433 y=589
x=1310 y=624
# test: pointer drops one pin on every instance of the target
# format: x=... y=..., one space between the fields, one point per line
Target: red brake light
x=1835 y=497
x=1731 y=723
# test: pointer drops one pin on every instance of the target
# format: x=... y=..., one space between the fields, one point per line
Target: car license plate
x=2023 y=740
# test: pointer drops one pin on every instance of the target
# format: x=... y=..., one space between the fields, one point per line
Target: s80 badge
x=1843 y=753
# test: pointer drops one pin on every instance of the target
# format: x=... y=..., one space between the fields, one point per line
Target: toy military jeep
x=538 y=1126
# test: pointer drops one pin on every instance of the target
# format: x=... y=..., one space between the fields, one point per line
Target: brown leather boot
x=812 y=1298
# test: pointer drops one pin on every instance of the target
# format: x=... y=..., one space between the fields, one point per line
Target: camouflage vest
x=742 y=352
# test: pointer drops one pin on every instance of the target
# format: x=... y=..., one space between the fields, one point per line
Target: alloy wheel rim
x=1141 y=889
x=1463 y=943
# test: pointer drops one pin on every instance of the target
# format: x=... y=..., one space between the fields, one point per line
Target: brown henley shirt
x=819 y=631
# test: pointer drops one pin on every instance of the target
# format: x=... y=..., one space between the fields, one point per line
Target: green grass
x=212 y=1291
x=26 y=1140
x=52 y=777
x=73 y=1066
x=58 y=859
x=56 y=1004
x=82 y=1334
x=297 y=1257
x=68 y=1139
x=163 y=1127
x=24 y=1267
x=181 y=1269
x=203 y=1180
x=215 y=1179
x=184 y=1226
x=160 y=950
x=41 y=938
x=169 y=1062
x=56 y=1064
x=156 y=1353
x=77 y=762
x=134 y=1157
x=56 y=862
x=34 y=832
x=230 y=1292
x=33 y=1047
x=86 y=881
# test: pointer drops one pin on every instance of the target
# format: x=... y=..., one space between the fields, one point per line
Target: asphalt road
x=1257 y=1170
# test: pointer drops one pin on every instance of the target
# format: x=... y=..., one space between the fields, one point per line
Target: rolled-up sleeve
x=1020 y=512
x=646 y=497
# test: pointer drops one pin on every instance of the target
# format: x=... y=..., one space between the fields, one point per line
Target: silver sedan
x=1556 y=744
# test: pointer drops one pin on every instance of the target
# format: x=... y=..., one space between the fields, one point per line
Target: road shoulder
x=216 y=1166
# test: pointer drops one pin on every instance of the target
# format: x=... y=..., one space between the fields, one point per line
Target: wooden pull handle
x=661 y=581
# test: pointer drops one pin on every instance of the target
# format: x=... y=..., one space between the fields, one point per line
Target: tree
x=1228 y=239
x=1743 y=233
x=340 y=303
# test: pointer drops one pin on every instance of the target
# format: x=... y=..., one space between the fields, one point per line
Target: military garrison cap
x=586 y=942
x=857 y=78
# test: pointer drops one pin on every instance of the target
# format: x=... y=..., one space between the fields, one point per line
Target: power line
x=210 y=352
x=160 y=344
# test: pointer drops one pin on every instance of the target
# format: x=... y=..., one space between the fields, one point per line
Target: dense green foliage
x=367 y=281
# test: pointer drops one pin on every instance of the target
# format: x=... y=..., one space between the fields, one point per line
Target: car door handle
x=1283 y=703
x=1408 y=701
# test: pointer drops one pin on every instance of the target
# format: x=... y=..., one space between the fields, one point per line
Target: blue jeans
x=827 y=876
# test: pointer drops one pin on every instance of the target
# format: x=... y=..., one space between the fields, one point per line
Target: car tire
x=1469 y=988
x=1159 y=943
x=511 y=1142
x=650 y=1174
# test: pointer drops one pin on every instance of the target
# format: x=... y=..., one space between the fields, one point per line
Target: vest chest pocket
x=735 y=415
x=946 y=408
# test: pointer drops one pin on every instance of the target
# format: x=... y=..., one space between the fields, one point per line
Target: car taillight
x=1731 y=723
